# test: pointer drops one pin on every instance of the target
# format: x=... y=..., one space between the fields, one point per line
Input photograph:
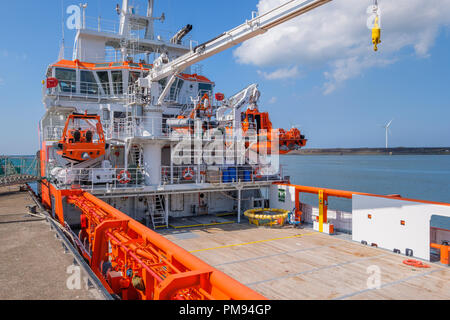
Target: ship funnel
x=181 y=34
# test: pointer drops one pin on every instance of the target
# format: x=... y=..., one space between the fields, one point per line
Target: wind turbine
x=387 y=128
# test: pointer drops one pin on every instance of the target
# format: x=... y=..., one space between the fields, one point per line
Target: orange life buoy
x=257 y=173
x=124 y=177
x=188 y=174
x=415 y=263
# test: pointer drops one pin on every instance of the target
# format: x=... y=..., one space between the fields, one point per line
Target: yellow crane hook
x=376 y=35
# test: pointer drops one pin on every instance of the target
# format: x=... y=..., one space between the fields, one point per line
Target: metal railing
x=216 y=175
x=98 y=178
x=121 y=129
x=101 y=25
x=111 y=26
x=53 y=133
x=88 y=90
x=141 y=127
x=18 y=170
x=16 y=165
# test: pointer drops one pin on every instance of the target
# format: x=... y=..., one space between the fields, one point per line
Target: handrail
x=350 y=194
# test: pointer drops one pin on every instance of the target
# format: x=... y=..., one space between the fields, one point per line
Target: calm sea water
x=417 y=177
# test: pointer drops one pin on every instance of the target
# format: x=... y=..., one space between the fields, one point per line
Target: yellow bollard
x=323 y=209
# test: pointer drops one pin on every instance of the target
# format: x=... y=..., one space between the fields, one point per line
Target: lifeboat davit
x=288 y=141
x=83 y=138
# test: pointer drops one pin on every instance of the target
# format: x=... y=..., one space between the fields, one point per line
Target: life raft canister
x=124 y=177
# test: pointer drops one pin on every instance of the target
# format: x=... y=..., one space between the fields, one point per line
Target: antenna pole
x=62 y=49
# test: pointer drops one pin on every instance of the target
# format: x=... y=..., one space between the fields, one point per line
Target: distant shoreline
x=373 y=151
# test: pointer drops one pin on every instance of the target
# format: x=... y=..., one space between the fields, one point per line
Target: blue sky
x=411 y=88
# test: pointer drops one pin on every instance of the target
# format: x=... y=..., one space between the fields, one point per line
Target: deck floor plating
x=302 y=264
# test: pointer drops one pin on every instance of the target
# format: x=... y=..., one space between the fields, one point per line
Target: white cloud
x=2 y=81
x=282 y=73
x=336 y=36
x=273 y=100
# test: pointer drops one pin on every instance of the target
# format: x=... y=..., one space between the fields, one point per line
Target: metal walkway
x=15 y=170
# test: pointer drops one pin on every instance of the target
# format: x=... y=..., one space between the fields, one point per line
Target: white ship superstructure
x=151 y=111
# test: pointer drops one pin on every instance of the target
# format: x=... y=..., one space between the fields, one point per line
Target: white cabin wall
x=274 y=198
x=91 y=49
x=385 y=228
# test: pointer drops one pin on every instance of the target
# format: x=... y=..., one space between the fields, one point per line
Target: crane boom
x=250 y=29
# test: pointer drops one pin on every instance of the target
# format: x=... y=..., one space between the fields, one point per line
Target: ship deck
x=33 y=263
x=301 y=264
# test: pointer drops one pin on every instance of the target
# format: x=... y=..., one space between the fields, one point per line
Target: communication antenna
x=84 y=6
x=62 y=49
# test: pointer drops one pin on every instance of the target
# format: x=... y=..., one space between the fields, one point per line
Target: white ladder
x=136 y=155
x=157 y=212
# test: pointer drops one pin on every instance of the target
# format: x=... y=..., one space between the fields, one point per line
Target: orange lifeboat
x=83 y=138
x=259 y=121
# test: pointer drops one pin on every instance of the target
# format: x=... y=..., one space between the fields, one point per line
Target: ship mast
x=149 y=32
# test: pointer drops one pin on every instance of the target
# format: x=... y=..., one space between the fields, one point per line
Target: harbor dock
x=34 y=264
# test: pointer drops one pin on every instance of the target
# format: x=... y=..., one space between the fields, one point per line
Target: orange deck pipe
x=130 y=252
x=445 y=252
x=224 y=283
x=329 y=192
x=349 y=194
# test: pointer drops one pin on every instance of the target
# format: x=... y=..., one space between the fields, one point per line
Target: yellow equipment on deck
x=267 y=217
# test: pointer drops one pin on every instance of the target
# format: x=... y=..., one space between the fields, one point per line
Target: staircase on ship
x=157 y=217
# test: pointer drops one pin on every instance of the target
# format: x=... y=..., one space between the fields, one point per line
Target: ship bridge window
x=67 y=79
x=134 y=76
x=204 y=88
x=88 y=84
x=102 y=65
x=104 y=80
x=163 y=83
x=175 y=89
x=117 y=80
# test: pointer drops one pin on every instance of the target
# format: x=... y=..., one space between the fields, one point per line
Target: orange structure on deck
x=444 y=252
x=78 y=145
x=134 y=262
